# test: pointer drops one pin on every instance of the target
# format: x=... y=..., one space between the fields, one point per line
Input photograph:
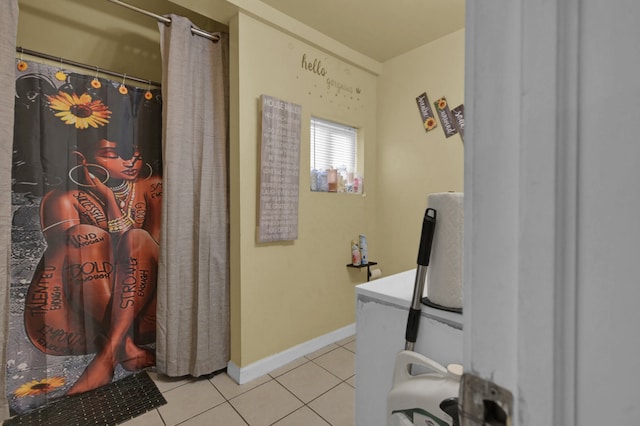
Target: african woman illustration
x=93 y=290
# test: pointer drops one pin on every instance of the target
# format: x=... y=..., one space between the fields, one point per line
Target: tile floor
x=316 y=390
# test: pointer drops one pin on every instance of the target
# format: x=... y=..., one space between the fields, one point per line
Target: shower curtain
x=86 y=198
x=193 y=280
x=8 y=29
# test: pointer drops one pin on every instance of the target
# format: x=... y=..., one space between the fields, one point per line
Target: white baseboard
x=266 y=365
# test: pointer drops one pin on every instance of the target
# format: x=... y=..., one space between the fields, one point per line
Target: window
x=333 y=145
x=333 y=157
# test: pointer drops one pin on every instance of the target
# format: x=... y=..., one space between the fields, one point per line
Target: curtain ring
x=22 y=65
x=123 y=89
x=95 y=83
x=148 y=95
x=61 y=75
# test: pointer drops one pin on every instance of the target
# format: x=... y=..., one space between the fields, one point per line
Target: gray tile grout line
x=306 y=404
x=339 y=378
x=274 y=378
x=208 y=409
x=323 y=393
x=238 y=412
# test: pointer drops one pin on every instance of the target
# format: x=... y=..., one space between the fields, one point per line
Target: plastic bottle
x=364 y=255
x=342 y=179
x=422 y=395
x=355 y=253
x=332 y=179
x=349 y=186
x=323 y=183
x=357 y=185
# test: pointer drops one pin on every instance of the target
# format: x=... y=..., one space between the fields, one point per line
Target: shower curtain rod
x=213 y=37
x=85 y=66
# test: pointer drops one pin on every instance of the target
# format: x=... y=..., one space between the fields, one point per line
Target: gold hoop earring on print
x=150 y=171
x=84 y=185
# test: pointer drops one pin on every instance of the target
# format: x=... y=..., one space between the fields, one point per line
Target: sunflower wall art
x=446 y=118
x=458 y=115
x=86 y=200
x=426 y=113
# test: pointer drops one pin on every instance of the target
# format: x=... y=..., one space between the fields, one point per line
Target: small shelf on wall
x=351 y=265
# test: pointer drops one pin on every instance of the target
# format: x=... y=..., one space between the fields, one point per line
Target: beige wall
x=291 y=292
x=411 y=162
x=100 y=33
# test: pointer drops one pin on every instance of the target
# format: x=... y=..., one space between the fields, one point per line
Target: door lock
x=483 y=403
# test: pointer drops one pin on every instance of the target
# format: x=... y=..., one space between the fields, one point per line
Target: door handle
x=483 y=403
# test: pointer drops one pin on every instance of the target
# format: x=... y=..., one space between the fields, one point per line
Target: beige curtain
x=8 y=29
x=193 y=278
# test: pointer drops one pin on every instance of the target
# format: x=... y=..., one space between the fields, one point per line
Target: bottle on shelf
x=364 y=255
x=355 y=253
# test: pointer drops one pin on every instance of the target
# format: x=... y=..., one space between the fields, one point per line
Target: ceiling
x=380 y=29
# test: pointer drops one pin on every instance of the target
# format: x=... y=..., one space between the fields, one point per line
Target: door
x=552 y=238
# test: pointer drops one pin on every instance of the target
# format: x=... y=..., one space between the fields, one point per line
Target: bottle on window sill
x=342 y=179
x=332 y=179
x=323 y=183
x=357 y=185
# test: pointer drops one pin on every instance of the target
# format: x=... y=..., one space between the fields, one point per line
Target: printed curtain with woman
x=87 y=160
